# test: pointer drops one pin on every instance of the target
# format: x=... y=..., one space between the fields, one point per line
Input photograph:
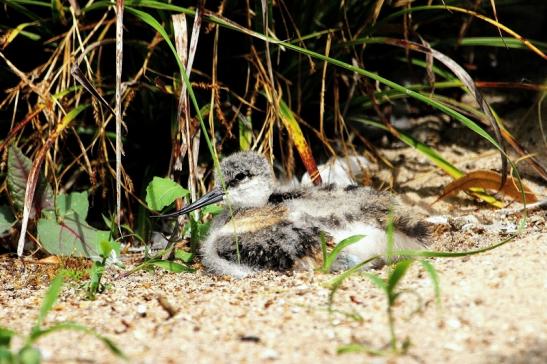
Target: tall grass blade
x=434 y=276
x=118 y=108
x=49 y=299
x=397 y=274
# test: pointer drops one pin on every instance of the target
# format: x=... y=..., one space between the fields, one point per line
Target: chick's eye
x=240 y=176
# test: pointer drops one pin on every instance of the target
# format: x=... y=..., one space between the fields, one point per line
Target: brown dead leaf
x=53 y=259
x=489 y=180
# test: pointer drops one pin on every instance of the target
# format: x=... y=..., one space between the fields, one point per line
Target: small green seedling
x=94 y=286
x=390 y=287
x=28 y=354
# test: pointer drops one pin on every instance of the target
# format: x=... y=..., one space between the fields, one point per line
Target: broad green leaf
x=29 y=355
x=5 y=337
x=213 y=209
x=162 y=192
x=72 y=237
x=6 y=219
x=49 y=299
x=19 y=167
x=202 y=230
x=6 y=357
x=73 y=203
x=184 y=256
x=105 y=248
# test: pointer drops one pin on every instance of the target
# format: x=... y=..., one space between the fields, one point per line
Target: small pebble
x=141 y=310
x=269 y=354
x=454 y=323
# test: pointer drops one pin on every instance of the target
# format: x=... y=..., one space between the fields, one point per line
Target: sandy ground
x=493 y=304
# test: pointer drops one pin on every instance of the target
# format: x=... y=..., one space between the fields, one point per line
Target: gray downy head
x=248 y=179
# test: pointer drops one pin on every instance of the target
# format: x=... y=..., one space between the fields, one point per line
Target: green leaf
x=430 y=269
x=397 y=274
x=73 y=203
x=338 y=248
x=78 y=327
x=58 y=12
x=162 y=192
x=358 y=348
x=72 y=237
x=245 y=131
x=72 y=114
x=5 y=337
x=6 y=218
x=170 y=266
x=151 y=21
x=13 y=33
x=105 y=248
x=184 y=256
x=202 y=231
x=49 y=299
x=323 y=250
x=390 y=231
x=378 y=282
x=29 y=355
x=94 y=284
x=213 y=209
x=6 y=357
x=19 y=167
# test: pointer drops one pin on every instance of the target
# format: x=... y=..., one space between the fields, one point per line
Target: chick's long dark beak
x=216 y=195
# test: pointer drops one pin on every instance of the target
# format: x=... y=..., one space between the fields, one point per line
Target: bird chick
x=269 y=227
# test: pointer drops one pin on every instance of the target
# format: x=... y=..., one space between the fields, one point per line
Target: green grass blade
x=397 y=274
x=377 y=281
x=5 y=337
x=339 y=279
x=170 y=266
x=435 y=158
x=49 y=300
x=427 y=151
x=335 y=283
x=78 y=327
x=234 y=26
x=435 y=254
x=327 y=263
x=432 y=272
x=390 y=230
x=323 y=249
x=151 y=21
x=28 y=355
x=496 y=42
